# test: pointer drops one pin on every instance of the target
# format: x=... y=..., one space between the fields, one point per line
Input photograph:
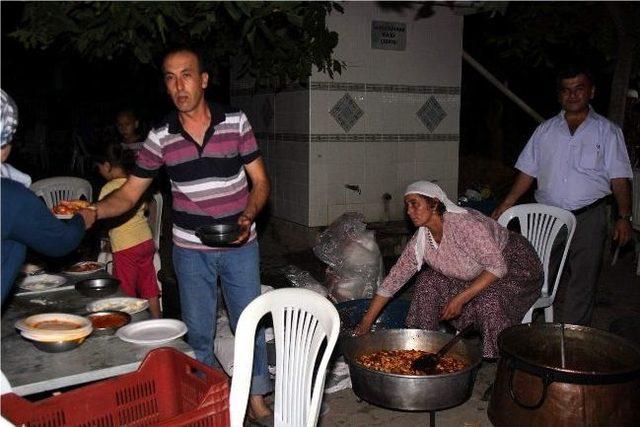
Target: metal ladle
x=428 y=362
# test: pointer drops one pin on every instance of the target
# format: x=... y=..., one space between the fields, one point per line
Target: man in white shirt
x=578 y=158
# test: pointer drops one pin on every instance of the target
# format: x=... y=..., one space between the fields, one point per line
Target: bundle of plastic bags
x=353 y=258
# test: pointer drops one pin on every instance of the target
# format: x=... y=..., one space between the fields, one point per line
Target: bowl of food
x=55 y=332
x=107 y=322
x=56 y=346
x=98 y=287
x=85 y=268
x=218 y=234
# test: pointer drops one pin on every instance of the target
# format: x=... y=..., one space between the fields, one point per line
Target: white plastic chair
x=58 y=188
x=540 y=224
x=302 y=321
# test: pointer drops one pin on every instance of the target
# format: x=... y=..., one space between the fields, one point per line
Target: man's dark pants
x=582 y=267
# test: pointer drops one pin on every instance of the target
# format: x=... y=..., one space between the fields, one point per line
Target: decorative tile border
x=357 y=137
x=242 y=90
x=282 y=137
x=384 y=88
x=384 y=137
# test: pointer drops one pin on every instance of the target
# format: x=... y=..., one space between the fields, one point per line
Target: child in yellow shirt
x=131 y=239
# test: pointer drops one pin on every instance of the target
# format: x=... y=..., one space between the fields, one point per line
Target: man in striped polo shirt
x=208 y=151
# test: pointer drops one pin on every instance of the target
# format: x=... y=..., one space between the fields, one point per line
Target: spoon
x=428 y=362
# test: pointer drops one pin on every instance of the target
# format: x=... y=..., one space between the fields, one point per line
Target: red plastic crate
x=169 y=389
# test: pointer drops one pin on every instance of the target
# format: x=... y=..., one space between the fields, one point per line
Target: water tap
x=353 y=187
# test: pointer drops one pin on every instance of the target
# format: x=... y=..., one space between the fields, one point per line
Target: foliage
x=546 y=34
x=279 y=41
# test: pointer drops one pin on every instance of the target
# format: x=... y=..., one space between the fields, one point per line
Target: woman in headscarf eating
x=476 y=270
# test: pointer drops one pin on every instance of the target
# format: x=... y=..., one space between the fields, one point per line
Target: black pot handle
x=545 y=383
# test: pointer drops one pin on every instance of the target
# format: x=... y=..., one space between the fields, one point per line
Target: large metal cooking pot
x=411 y=392
x=565 y=375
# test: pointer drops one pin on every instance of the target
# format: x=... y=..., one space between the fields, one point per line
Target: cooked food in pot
x=399 y=362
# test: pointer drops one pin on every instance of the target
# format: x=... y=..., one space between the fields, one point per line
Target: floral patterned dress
x=471 y=243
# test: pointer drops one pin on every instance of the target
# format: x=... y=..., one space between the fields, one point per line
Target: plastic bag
x=331 y=242
x=353 y=257
x=303 y=279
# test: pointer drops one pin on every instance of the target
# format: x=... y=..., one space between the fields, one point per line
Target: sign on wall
x=388 y=35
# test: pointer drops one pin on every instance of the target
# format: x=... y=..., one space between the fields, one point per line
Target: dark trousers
x=582 y=267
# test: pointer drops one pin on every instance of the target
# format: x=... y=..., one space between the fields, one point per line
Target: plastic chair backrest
x=155 y=218
x=58 y=188
x=302 y=321
x=540 y=224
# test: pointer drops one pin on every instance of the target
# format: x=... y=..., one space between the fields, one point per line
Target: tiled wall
x=392 y=117
x=365 y=124
x=281 y=125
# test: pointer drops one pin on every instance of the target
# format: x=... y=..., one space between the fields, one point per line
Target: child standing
x=128 y=126
x=131 y=240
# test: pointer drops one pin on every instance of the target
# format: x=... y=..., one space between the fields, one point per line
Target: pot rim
x=554 y=373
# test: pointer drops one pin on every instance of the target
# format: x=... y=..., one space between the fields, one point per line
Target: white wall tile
x=374 y=212
x=406 y=151
x=318 y=215
x=334 y=212
x=336 y=193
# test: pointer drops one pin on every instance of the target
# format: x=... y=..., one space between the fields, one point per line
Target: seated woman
x=477 y=271
x=26 y=221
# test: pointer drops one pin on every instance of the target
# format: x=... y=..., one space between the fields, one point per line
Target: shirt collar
x=217 y=116
x=590 y=114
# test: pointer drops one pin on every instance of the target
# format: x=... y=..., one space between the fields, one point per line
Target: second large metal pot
x=565 y=375
x=411 y=392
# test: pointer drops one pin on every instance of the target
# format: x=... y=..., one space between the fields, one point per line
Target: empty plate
x=42 y=282
x=152 y=332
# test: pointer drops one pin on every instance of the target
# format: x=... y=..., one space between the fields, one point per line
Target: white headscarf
x=8 y=125
x=8 y=118
x=432 y=190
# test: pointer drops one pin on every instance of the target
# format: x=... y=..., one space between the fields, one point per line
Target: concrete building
x=354 y=142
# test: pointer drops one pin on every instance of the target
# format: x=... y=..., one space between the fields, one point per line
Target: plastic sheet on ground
x=337 y=377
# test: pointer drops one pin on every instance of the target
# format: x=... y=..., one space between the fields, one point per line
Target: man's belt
x=589 y=207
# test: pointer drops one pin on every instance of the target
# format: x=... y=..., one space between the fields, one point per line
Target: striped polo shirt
x=208 y=181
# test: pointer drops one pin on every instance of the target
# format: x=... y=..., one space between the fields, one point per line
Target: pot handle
x=545 y=383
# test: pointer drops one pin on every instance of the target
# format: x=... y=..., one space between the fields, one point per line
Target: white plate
x=41 y=282
x=126 y=304
x=151 y=332
x=99 y=266
x=64 y=216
